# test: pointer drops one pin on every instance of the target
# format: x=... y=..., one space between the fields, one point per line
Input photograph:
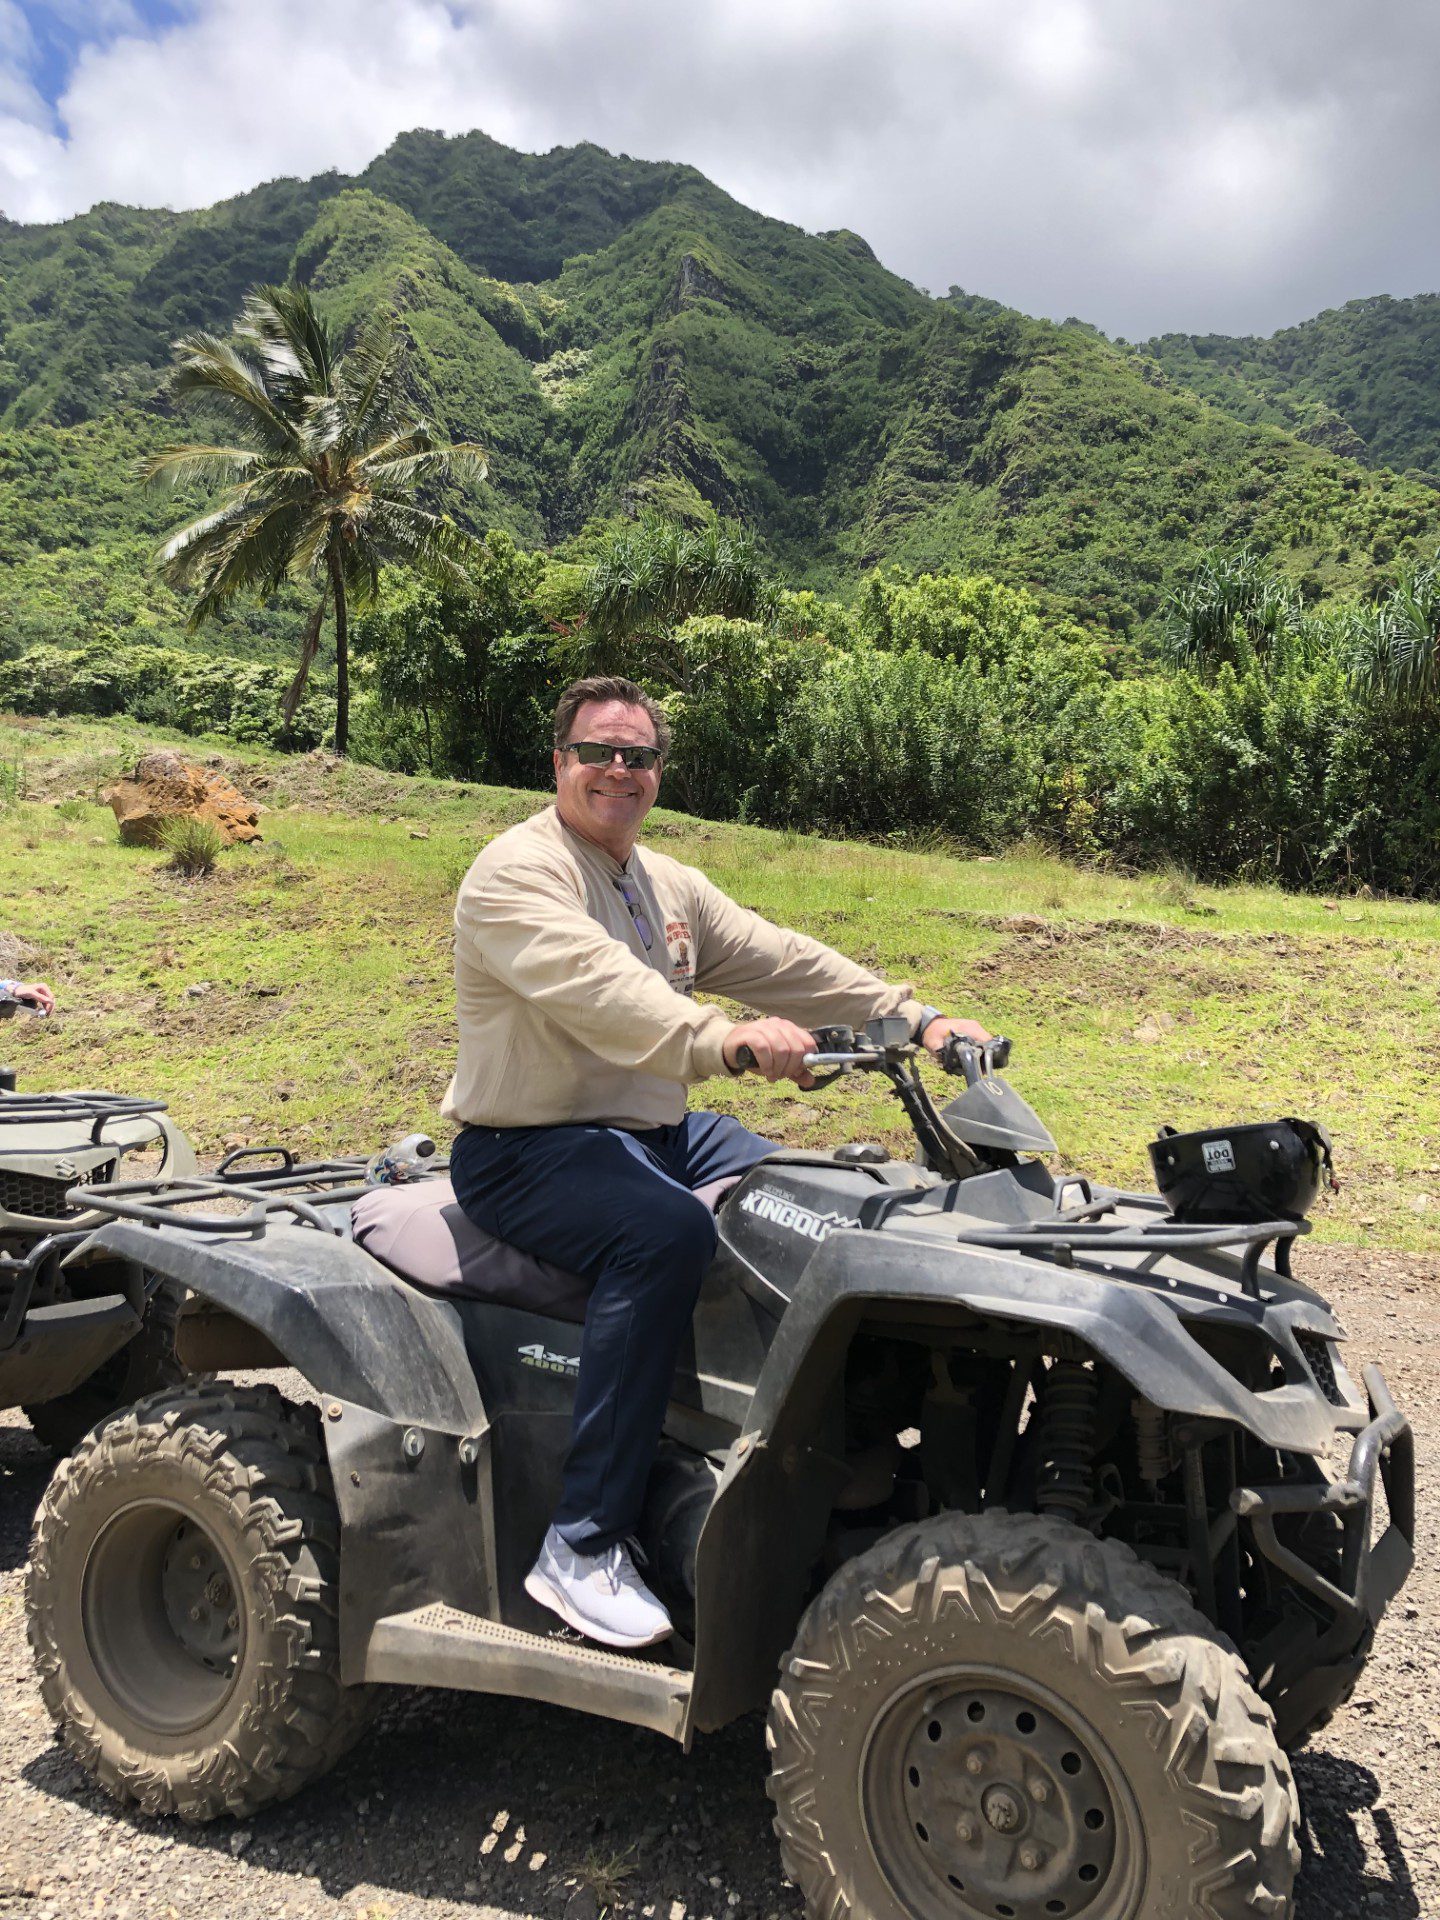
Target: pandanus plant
x=325 y=453
x=655 y=573
x=1395 y=645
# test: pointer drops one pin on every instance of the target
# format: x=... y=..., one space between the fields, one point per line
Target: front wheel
x=182 y=1603
x=999 y=1715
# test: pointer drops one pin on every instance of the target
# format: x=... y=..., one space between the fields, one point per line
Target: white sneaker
x=599 y=1594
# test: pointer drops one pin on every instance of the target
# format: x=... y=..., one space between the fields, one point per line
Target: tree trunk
x=342 y=658
x=309 y=647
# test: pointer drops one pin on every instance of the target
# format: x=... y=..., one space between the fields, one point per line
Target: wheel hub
x=199 y=1600
x=1001 y=1809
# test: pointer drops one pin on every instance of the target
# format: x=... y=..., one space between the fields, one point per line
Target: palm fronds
x=1395 y=644
x=1235 y=609
x=651 y=576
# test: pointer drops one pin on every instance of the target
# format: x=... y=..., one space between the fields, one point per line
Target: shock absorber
x=1152 y=1442
x=1068 y=1420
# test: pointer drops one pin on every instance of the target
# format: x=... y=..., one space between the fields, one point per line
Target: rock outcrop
x=165 y=786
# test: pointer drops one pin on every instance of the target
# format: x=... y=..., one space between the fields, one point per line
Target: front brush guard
x=1370 y=1575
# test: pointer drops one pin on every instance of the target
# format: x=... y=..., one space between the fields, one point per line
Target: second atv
x=74 y=1346
x=1043 y=1517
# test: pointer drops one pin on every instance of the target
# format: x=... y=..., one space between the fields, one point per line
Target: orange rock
x=165 y=787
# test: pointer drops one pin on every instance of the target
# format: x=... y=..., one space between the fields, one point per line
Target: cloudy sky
x=1145 y=164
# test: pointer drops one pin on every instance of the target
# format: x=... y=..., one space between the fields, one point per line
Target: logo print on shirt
x=682 y=955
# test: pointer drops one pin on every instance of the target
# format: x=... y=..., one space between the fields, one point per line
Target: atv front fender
x=766 y=1528
x=326 y=1308
x=1131 y=1327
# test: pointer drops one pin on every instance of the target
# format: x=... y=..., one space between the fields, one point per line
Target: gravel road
x=489 y=1809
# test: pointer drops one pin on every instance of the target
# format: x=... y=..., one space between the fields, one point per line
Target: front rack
x=292 y=1191
x=98 y=1109
x=1076 y=1229
x=1159 y=1237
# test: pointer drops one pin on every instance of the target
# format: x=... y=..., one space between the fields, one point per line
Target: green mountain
x=1362 y=379
x=619 y=332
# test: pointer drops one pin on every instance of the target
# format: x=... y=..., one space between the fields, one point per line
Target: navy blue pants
x=618 y=1208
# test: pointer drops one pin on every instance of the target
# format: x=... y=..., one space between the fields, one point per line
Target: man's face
x=607 y=803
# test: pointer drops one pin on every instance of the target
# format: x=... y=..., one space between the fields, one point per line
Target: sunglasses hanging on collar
x=630 y=895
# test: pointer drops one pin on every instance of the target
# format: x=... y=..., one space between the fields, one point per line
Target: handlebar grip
x=975 y=1058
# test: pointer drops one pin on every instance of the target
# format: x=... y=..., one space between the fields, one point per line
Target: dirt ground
x=466 y=1808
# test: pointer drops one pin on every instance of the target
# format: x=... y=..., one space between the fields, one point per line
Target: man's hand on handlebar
x=939 y=1031
x=774 y=1047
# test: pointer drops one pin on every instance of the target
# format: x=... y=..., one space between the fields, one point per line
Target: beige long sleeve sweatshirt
x=567 y=1017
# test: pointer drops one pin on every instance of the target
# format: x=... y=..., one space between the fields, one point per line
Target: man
x=577 y=957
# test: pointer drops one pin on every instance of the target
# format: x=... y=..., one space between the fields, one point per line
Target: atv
x=74 y=1347
x=1041 y=1519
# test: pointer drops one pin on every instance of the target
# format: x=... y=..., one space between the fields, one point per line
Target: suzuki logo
x=66 y=1170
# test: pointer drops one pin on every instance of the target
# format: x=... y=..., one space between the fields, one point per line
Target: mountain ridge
x=622 y=333
x=1363 y=377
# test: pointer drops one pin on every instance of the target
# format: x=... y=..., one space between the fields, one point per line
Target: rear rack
x=96 y=1108
x=291 y=1192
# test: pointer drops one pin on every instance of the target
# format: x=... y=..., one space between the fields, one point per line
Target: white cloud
x=1144 y=163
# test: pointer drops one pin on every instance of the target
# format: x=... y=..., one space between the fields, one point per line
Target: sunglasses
x=599 y=753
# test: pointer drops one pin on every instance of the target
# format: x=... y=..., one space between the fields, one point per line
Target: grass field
x=303 y=990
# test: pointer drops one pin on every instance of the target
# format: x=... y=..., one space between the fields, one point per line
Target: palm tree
x=326 y=454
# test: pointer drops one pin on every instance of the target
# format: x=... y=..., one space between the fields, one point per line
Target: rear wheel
x=182 y=1600
x=146 y=1365
x=999 y=1715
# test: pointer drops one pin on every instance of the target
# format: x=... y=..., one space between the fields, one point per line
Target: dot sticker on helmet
x=1219 y=1156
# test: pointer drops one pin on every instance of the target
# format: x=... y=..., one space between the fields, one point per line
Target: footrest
x=441 y=1646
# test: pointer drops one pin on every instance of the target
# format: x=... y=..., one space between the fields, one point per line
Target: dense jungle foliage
x=1279 y=744
x=998 y=577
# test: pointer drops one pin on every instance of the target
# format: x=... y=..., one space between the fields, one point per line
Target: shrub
x=194 y=845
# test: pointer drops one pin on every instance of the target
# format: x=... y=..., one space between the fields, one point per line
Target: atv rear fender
x=766 y=1529
x=404 y=1423
x=320 y=1304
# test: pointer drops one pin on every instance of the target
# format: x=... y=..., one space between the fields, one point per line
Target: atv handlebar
x=974 y=1059
x=842 y=1050
x=887 y=1046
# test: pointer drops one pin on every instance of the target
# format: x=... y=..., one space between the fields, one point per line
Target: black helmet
x=1270 y=1170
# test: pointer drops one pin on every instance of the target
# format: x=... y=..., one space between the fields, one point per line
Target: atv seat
x=419 y=1231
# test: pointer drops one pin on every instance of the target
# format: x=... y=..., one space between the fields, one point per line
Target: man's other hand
x=939 y=1031
x=779 y=1047
x=34 y=993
